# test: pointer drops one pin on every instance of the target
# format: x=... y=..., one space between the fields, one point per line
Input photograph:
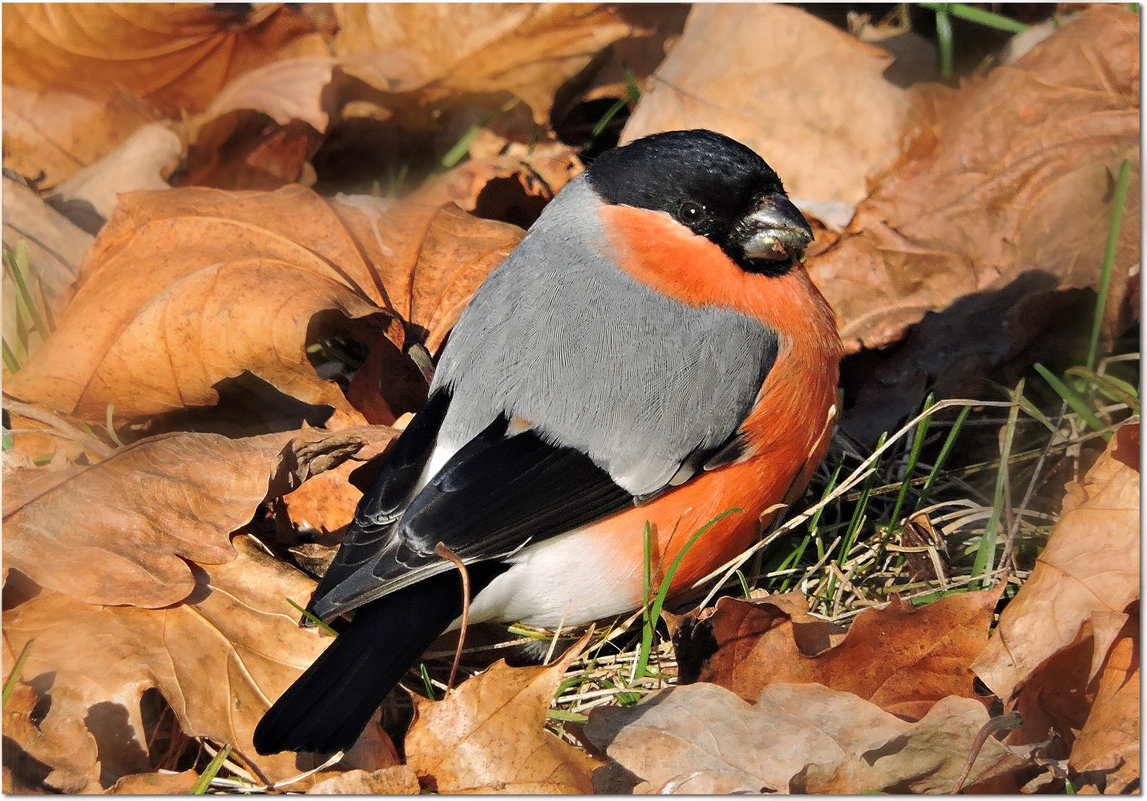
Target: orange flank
x=787 y=432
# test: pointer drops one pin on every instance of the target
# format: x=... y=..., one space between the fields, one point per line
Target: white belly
x=529 y=591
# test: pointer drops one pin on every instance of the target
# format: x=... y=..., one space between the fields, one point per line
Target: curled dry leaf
x=186 y=288
x=218 y=661
x=1082 y=582
x=285 y=90
x=55 y=134
x=702 y=738
x=1013 y=177
x=435 y=52
x=142 y=162
x=902 y=659
x=802 y=93
x=176 y=57
x=123 y=531
x=488 y=735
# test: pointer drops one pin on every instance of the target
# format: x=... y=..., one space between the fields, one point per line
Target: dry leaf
x=396 y=780
x=797 y=738
x=436 y=52
x=430 y=258
x=176 y=56
x=1012 y=182
x=284 y=90
x=218 y=660
x=49 y=136
x=1082 y=582
x=155 y=783
x=142 y=162
x=123 y=531
x=488 y=735
x=901 y=658
x=186 y=288
x=805 y=95
x=1109 y=741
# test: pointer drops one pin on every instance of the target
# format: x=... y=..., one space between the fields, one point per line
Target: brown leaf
x=119 y=532
x=185 y=288
x=175 y=56
x=433 y=52
x=1012 y=181
x=901 y=658
x=327 y=502
x=489 y=735
x=396 y=780
x=430 y=258
x=284 y=90
x=218 y=661
x=1082 y=582
x=797 y=738
x=155 y=784
x=1109 y=741
x=808 y=97
x=54 y=134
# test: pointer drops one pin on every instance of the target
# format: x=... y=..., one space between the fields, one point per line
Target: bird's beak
x=775 y=230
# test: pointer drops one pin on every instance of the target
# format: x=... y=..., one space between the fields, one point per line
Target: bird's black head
x=713 y=185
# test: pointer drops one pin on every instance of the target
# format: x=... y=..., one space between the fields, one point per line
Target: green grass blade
x=18 y=265
x=14 y=676
x=10 y=360
x=211 y=771
x=1109 y=386
x=945 y=450
x=1076 y=403
x=913 y=456
x=988 y=19
x=1116 y=222
x=461 y=147
x=658 y=602
x=310 y=616
x=944 y=39
x=426 y=682
x=984 y=562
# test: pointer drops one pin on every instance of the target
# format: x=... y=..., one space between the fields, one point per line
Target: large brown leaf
x=489 y=735
x=703 y=739
x=185 y=288
x=219 y=660
x=434 y=52
x=1014 y=176
x=802 y=93
x=124 y=530
x=902 y=659
x=176 y=56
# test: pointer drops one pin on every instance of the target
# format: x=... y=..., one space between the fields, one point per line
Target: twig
x=1011 y=720
x=450 y=556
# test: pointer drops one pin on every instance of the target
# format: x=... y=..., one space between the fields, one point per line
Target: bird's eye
x=691 y=213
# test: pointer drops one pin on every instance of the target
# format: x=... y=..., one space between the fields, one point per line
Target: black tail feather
x=327 y=708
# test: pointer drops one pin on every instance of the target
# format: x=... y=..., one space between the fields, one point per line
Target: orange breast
x=787 y=432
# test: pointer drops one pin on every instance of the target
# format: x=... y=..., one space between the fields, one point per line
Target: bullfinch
x=653 y=350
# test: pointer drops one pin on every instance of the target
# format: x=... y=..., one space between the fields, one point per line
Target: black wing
x=495 y=495
x=383 y=503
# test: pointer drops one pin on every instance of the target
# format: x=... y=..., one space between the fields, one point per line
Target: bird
x=653 y=352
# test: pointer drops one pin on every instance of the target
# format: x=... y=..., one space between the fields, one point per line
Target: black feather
x=327 y=708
